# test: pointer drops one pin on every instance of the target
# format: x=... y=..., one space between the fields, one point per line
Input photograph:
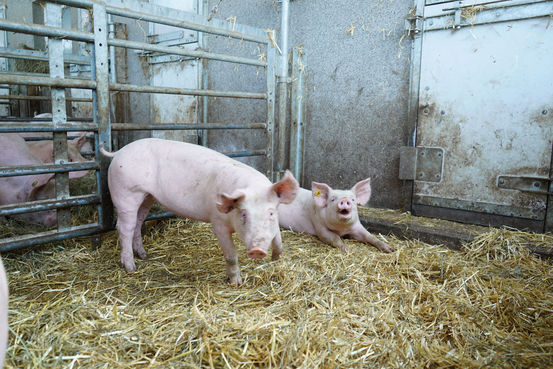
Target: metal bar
x=184 y=91
x=21 y=97
x=245 y=153
x=145 y=12
x=297 y=119
x=64 y=33
x=42 y=205
x=184 y=126
x=7 y=52
x=283 y=91
x=184 y=52
x=413 y=101
x=53 y=17
x=38 y=127
x=47 y=81
x=47 y=168
x=19 y=242
x=492 y=14
x=100 y=66
x=48 y=31
x=269 y=133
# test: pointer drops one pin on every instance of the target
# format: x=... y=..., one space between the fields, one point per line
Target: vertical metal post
x=297 y=116
x=271 y=76
x=414 y=86
x=283 y=89
x=202 y=74
x=53 y=17
x=101 y=69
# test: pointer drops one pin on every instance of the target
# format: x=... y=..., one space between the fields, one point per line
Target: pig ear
x=320 y=192
x=287 y=188
x=34 y=183
x=80 y=141
x=228 y=202
x=362 y=191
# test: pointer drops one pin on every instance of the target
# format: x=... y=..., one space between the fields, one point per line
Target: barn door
x=174 y=71
x=484 y=115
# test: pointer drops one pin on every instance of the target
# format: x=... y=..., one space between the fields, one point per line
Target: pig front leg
x=359 y=233
x=327 y=236
x=230 y=254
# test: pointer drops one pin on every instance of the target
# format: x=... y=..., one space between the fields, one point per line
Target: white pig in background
x=4 y=295
x=330 y=214
x=198 y=183
x=44 y=150
x=13 y=190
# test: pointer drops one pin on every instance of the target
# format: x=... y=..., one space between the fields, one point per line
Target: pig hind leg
x=127 y=216
x=137 y=245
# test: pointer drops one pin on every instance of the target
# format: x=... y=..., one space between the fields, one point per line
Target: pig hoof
x=344 y=249
x=275 y=257
x=131 y=268
x=236 y=281
x=142 y=255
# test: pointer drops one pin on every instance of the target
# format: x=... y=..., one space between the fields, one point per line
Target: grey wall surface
x=356 y=85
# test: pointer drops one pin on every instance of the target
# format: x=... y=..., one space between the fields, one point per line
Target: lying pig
x=44 y=150
x=330 y=214
x=84 y=145
x=198 y=183
x=15 y=152
x=3 y=313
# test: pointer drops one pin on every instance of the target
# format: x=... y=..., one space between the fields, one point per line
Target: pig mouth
x=344 y=213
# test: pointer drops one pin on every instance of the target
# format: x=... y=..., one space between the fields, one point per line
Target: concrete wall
x=356 y=85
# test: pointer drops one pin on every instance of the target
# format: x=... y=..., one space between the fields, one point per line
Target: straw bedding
x=490 y=304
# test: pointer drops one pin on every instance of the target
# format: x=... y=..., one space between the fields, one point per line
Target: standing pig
x=330 y=214
x=198 y=183
x=13 y=190
x=3 y=313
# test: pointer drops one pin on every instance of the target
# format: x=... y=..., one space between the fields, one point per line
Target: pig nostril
x=256 y=253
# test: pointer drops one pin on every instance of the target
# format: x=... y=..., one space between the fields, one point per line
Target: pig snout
x=256 y=253
x=344 y=206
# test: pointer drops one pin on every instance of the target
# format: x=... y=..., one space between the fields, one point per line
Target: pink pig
x=330 y=214
x=13 y=190
x=201 y=184
x=44 y=150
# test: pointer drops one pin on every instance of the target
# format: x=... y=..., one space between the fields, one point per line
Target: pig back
x=185 y=178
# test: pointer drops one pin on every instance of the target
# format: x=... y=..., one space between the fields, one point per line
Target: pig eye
x=332 y=199
x=243 y=216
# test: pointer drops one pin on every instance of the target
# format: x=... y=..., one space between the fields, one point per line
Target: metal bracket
x=421 y=163
x=533 y=184
x=177 y=38
x=413 y=25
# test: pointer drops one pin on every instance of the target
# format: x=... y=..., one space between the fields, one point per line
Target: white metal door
x=486 y=99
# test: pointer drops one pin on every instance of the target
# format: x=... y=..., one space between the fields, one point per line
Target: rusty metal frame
x=101 y=88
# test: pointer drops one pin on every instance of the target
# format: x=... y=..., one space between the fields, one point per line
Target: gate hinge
x=533 y=184
x=421 y=163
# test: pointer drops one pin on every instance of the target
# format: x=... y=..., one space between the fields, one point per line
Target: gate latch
x=421 y=163
x=533 y=184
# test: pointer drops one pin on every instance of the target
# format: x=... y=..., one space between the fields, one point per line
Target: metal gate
x=101 y=44
x=481 y=111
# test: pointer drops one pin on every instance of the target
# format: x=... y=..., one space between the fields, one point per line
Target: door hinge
x=533 y=184
x=412 y=25
x=421 y=163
